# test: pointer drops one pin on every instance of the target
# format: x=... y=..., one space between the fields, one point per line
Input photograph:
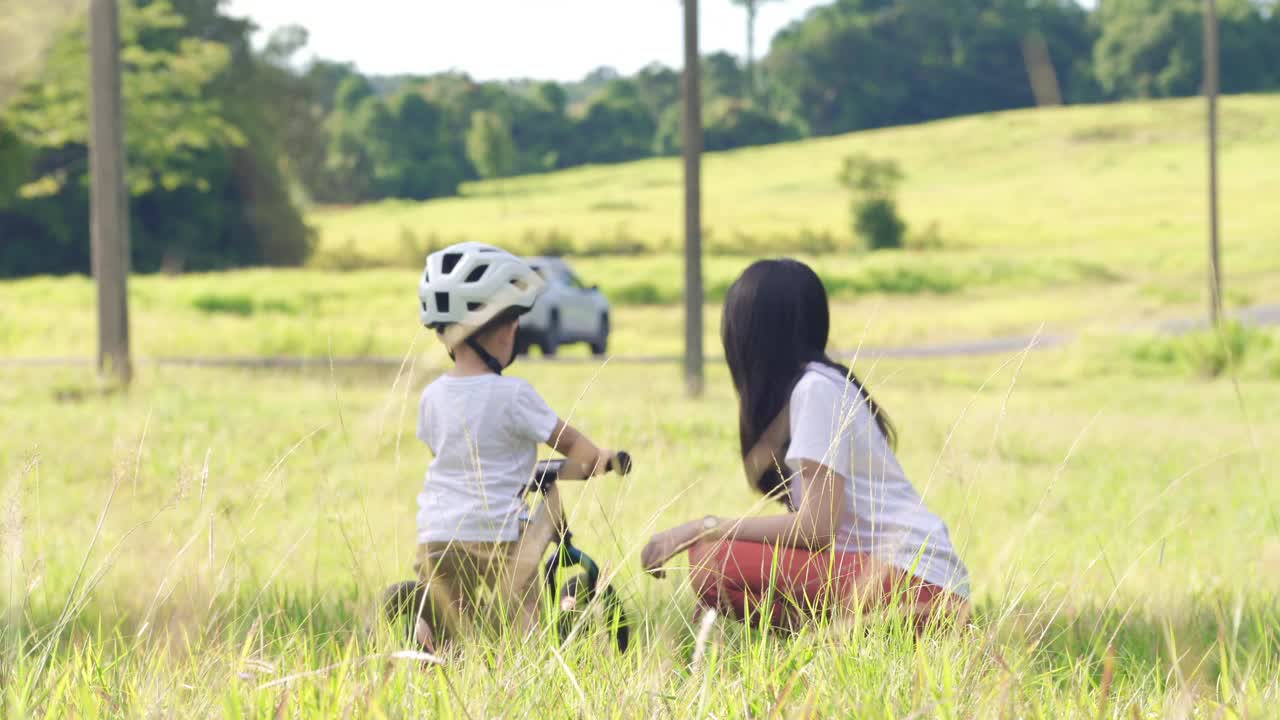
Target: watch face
x=710 y=522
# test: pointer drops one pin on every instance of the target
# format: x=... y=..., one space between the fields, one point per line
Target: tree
x=861 y=64
x=1154 y=48
x=616 y=127
x=203 y=119
x=353 y=90
x=1149 y=48
x=658 y=87
x=348 y=159
x=753 y=8
x=540 y=126
x=727 y=124
x=14 y=160
x=27 y=31
x=735 y=123
x=489 y=146
x=171 y=118
x=552 y=97
x=723 y=77
x=407 y=145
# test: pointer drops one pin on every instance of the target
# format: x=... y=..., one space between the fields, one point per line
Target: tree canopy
x=227 y=141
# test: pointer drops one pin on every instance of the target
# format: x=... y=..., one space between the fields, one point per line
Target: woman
x=856 y=534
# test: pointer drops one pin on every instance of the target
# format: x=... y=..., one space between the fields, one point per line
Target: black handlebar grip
x=620 y=463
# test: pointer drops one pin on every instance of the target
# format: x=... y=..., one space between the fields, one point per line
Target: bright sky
x=499 y=39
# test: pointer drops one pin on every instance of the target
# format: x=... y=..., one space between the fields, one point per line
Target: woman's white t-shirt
x=484 y=432
x=883 y=515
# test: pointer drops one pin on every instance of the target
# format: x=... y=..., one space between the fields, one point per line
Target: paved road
x=1262 y=315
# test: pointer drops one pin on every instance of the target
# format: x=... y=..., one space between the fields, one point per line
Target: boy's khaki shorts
x=484 y=582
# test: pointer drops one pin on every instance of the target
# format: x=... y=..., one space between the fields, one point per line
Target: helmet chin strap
x=489 y=360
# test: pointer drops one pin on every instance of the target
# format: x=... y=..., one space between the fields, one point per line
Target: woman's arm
x=583 y=458
x=812 y=526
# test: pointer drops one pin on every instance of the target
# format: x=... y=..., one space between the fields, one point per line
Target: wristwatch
x=710 y=523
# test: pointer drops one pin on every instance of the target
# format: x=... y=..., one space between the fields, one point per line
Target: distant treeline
x=226 y=142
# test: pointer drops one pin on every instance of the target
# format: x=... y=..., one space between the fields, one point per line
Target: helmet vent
x=520 y=284
x=448 y=262
x=442 y=302
x=474 y=306
x=477 y=273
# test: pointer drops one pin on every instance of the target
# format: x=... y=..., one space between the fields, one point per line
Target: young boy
x=483 y=429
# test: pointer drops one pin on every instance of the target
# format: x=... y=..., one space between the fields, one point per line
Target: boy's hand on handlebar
x=604 y=462
x=582 y=458
x=613 y=462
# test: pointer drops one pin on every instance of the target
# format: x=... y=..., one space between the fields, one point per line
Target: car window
x=571 y=280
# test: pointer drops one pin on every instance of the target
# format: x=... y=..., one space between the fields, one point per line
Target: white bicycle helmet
x=469 y=283
x=465 y=286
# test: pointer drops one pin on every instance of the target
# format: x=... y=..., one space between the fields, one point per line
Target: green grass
x=887 y=299
x=373 y=312
x=248 y=521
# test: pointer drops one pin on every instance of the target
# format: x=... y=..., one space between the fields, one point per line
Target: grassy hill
x=1124 y=183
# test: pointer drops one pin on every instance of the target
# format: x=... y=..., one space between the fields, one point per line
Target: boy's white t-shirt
x=484 y=432
x=883 y=515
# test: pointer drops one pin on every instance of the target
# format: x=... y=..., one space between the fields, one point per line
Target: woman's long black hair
x=776 y=320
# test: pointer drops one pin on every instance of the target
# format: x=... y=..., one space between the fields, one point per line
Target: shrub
x=618 y=241
x=815 y=242
x=876 y=221
x=414 y=250
x=643 y=293
x=805 y=241
x=616 y=206
x=552 y=243
x=349 y=257
x=872 y=183
x=279 y=307
x=928 y=239
x=241 y=305
x=1209 y=353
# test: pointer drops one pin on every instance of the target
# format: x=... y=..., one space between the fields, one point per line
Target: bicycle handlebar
x=547 y=472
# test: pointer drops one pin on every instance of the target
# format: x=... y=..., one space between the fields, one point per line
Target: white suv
x=567 y=312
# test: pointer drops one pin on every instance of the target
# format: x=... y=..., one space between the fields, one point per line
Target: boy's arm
x=583 y=458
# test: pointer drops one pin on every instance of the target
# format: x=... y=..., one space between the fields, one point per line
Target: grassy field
x=174 y=551
x=373 y=312
x=211 y=542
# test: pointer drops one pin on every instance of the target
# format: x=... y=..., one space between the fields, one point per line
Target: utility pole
x=1211 y=60
x=692 y=147
x=109 y=231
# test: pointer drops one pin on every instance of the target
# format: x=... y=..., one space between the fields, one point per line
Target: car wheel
x=551 y=338
x=600 y=346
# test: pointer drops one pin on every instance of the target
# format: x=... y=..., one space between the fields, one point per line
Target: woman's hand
x=666 y=545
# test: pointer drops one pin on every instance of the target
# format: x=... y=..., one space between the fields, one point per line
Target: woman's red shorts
x=749 y=580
